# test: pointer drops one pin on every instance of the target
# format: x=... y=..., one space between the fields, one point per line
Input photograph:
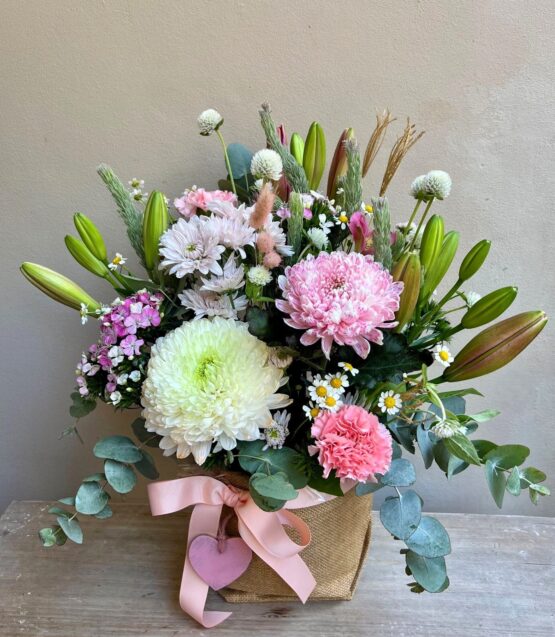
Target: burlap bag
x=340 y=530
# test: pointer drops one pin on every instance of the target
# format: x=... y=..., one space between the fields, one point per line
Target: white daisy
x=337 y=381
x=118 y=260
x=349 y=368
x=390 y=402
x=342 y=220
x=136 y=184
x=233 y=278
x=443 y=355
x=311 y=410
x=84 y=312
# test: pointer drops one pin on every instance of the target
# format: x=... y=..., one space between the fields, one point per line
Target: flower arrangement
x=293 y=336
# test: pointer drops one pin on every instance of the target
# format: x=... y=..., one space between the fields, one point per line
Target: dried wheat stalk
x=401 y=147
x=383 y=120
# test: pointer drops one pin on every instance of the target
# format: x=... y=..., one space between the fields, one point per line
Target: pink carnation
x=199 y=198
x=339 y=297
x=353 y=442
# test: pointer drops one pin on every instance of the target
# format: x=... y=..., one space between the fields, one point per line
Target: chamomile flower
x=331 y=403
x=325 y=224
x=117 y=261
x=337 y=381
x=342 y=220
x=84 y=312
x=390 y=402
x=311 y=410
x=139 y=195
x=319 y=389
x=349 y=368
x=443 y=355
x=136 y=184
x=368 y=208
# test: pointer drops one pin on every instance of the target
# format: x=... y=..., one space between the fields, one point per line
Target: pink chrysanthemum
x=352 y=442
x=339 y=297
x=198 y=198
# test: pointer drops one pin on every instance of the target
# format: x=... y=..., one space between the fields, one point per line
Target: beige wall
x=122 y=82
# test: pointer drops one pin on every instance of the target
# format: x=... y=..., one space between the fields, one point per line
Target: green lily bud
x=489 y=307
x=474 y=260
x=296 y=145
x=432 y=238
x=314 y=156
x=496 y=346
x=58 y=287
x=155 y=222
x=85 y=257
x=438 y=269
x=90 y=235
x=338 y=167
x=407 y=270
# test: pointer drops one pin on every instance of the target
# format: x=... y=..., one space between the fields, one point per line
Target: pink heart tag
x=219 y=562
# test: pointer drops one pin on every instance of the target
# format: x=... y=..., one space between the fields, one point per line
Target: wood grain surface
x=124 y=581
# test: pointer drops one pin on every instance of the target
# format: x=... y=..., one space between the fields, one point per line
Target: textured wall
x=123 y=82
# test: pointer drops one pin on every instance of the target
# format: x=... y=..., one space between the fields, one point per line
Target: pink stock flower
x=352 y=442
x=198 y=198
x=339 y=297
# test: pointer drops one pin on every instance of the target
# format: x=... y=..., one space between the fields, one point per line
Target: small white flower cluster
x=445 y=428
x=259 y=275
x=435 y=184
x=328 y=392
x=209 y=121
x=266 y=165
x=319 y=236
x=277 y=432
x=136 y=189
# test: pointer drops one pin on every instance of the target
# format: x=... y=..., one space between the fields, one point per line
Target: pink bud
x=272 y=260
x=265 y=243
x=360 y=230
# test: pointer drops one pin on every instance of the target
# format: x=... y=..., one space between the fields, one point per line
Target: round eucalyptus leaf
x=71 y=528
x=90 y=498
x=120 y=476
x=105 y=513
x=430 y=573
x=401 y=474
x=275 y=486
x=401 y=515
x=119 y=448
x=147 y=467
x=430 y=539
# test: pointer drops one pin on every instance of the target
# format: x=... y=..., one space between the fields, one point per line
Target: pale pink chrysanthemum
x=339 y=297
x=352 y=442
x=199 y=198
x=231 y=232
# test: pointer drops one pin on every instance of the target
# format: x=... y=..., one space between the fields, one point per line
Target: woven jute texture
x=340 y=531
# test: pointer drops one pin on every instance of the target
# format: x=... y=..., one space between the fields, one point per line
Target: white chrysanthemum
x=472 y=298
x=438 y=184
x=259 y=275
x=209 y=121
x=208 y=304
x=209 y=381
x=418 y=188
x=267 y=164
x=231 y=232
x=318 y=238
x=232 y=278
x=190 y=246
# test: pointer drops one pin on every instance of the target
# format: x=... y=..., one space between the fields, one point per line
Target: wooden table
x=124 y=581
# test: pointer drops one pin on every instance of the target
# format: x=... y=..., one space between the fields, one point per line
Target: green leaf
x=265 y=503
x=364 y=488
x=534 y=496
x=388 y=361
x=59 y=535
x=105 y=513
x=483 y=447
x=496 y=482
x=90 y=498
x=442 y=456
x=508 y=456
x=513 y=482
x=460 y=392
x=72 y=529
x=240 y=158
x=57 y=511
x=119 y=448
x=425 y=445
x=331 y=485
x=147 y=467
x=253 y=460
x=430 y=539
x=275 y=486
x=81 y=407
x=148 y=438
x=531 y=475
x=455 y=465
x=401 y=515
x=134 y=284
x=454 y=404
x=397 y=452
x=95 y=477
x=68 y=501
x=430 y=573
x=461 y=447
x=120 y=476
x=540 y=488
x=401 y=474
x=403 y=432
x=484 y=416
x=47 y=537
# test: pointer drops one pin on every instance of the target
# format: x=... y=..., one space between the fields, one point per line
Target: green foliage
x=382 y=232
x=401 y=514
x=71 y=528
x=240 y=158
x=120 y=476
x=497 y=481
x=91 y=498
x=295 y=224
x=430 y=539
x=145 y=437
x=401 y=474
x=80 y=406
x=146 y=466
x=430 y=573
x=119 y=448
x=461 y=447
x=253 y=460
x=275 y=486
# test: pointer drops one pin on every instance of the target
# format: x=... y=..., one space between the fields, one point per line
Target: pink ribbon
x=261 y=530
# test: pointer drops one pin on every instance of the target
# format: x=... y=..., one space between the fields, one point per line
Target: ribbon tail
x=194 y=591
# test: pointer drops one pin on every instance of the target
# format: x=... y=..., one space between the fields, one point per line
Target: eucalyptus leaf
x=454 y=404
x=275 y=486
x=425 y=445
x=146 y=466
x=120 y=476
x=105 y=513
x=430 y=539
x=404 y=434
x=58 y=511
x=119 y=448
x=507 y=456
x=148 y=438
x=70 y=501
x=330 y=485
x=240 y=158
x=81 y=406
x=430 y=573
x=513 y=482
x=401 y=474
x=401 y=514
x=95 y=477
x=455 y=465
x=397 y=452
x=71 y=528
x=442 y=456
x=483 y=447
x=364 y=488
x=254 y=460
x=461 y=447
x=484 y=416
x=47 y=537
x=90 y=498
x=496 y=482
x=59 y=535
x=265 y=503
x=540 y=488
x=530 y=475
x=460 y=392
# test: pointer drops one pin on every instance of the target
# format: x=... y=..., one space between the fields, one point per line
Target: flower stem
x=413 y=242
x=227 y=163
x=411 y=219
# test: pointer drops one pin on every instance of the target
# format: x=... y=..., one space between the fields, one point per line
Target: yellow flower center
x=336 y=383
x=348 y=366
x=116 y=260
x=314 y=412
x=343 y=218
x=444 y=355
x=321 y=391
x=330 y=401
x=369 y=209
x=390 y=402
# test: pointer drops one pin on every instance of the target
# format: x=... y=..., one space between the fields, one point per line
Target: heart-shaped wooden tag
x=219 y=561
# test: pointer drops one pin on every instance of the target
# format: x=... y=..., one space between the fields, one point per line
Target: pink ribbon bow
x=261 y=530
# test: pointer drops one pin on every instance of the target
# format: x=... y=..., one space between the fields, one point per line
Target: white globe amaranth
x=209 y=121
x=209 y=381
x=418 y=187
x=438 y=184
x=266 y=164
x=259 y=275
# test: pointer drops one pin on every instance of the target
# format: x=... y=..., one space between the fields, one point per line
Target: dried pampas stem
x=383 y=120
x=401 y=147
